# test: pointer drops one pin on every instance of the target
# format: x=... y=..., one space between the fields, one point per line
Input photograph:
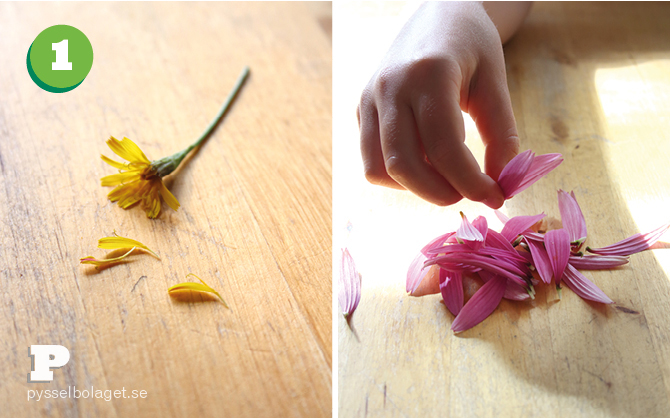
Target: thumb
x=490 y=106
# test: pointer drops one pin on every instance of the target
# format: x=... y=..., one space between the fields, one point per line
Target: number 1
x=61 y=56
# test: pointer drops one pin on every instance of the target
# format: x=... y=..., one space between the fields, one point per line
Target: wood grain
x=255 y=220
x=588 y=80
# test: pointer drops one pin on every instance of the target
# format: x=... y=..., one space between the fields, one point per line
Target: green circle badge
x=60 y=58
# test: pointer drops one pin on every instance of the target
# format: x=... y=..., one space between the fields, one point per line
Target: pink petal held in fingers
x=467 y=232
x=633 y=244
x=540 y=259
x=583 y=287
x=349 y=284
x=572 y=218
x=514 y=172
x=524 y=170
x=540 y=167
x=480 y=305
x=451 y=287
x=597 y=262
x=557 y=243
x=416 y=273
x=518 y=225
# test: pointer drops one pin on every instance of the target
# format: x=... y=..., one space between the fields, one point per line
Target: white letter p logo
x=46 y=357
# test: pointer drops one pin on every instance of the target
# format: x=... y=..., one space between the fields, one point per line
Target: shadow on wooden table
x=613 y=357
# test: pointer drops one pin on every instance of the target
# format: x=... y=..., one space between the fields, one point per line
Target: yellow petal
x=197 y=287
x=169 y=197
x=120 y=178
x=115 y=164
x=152 y=202
x=114 y=243
x=106 y=261
x=124 y=190
x=127 y=150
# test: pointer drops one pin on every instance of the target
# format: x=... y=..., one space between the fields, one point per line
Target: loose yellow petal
x=115 y=243
x=106 y=261
x=169 y=197
x=197 y=287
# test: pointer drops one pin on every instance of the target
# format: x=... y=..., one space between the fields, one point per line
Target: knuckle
x=385 y=81
x=396 y=166
x=432 y=69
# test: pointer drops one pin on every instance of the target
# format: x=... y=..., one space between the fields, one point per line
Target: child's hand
x=447 y=58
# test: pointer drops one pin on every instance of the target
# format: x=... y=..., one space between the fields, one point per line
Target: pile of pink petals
x=505 y=260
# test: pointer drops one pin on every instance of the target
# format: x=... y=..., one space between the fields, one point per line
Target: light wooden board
x=588 y=80
x=255 y=220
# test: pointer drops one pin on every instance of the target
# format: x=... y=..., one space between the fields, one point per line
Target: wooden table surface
x=588 y=80
x=255 y=220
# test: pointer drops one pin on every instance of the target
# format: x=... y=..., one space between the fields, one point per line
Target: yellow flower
x=138 y=180
x=141 y=180
x=195 y=287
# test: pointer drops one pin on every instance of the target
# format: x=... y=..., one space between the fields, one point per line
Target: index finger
x=442 y=131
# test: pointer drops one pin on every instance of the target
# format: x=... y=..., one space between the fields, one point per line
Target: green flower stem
x=167 y=165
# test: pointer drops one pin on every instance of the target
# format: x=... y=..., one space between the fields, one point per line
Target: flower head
x=138 y=180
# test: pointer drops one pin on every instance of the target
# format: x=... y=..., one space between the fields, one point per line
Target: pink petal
x=540 y=167
x=513 y=290
x=633 y=244
x=482 y=226
x=510 y=256
x=495 y=239
x=540 y=259
x=557 y=243
x=514 y=172
x=454 y=262
x=437 y=242
x=572 y=217
x=467 y=232
x=349 y=284
x=416 y=273
x=518 y=225
x=534 y=236
x=597 y=262
x=501 y=216
x=526 y=256
x=583 y=287
x=480 y=305
x=448 y=249
x=451 y=287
